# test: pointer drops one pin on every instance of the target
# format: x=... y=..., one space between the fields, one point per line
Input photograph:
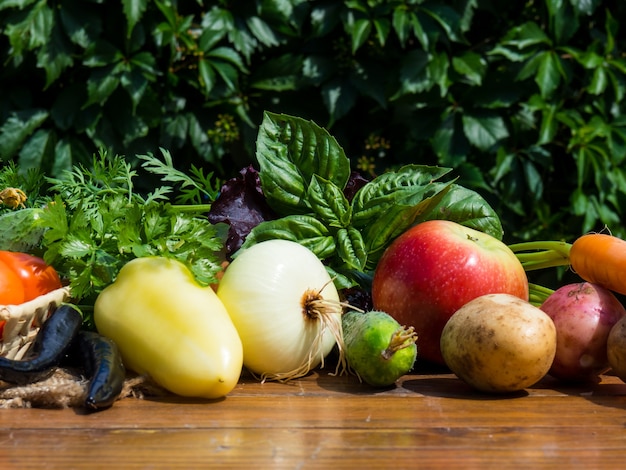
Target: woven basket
x=24 y=320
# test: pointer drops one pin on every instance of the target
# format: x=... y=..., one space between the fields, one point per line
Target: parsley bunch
x=96 y=222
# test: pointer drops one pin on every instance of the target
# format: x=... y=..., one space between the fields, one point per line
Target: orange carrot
x=600 y=259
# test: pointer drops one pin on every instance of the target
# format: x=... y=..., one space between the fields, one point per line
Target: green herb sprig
x=96 y=221
x=195 y=188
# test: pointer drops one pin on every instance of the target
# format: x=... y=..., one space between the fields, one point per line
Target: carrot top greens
x=92 y=221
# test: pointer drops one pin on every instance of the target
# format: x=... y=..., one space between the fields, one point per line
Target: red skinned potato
x=616 y=349
x=583 y=314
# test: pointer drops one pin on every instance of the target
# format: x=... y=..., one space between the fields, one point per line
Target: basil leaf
x=466 y=207
x=328 y=202
x=351 y=248
x=304 y=229
x=399 y=217
x=290 y=151
x=340 y=280
x=385 y=191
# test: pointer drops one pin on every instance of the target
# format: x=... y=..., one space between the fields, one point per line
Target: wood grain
x=429 y=420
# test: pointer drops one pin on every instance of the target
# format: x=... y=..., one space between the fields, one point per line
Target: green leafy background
x=523 y=100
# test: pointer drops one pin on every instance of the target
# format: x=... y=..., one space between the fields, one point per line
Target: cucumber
x=378 y=349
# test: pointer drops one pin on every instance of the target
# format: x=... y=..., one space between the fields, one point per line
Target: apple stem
x=400 y=339
x=542 y=254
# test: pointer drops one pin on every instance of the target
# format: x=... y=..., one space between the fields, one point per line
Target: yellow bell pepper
x=168 y=326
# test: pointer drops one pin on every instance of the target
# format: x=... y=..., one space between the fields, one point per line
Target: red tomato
x=11 y=287
x=31 y=276
x=24 y=277
x=11 y=290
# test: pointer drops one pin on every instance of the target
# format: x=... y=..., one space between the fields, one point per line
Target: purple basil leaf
x=242 y=205
x=355 y=182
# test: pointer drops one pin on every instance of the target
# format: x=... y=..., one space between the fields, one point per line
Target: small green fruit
x=378 y=349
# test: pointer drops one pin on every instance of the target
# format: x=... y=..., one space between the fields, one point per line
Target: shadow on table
x=425 y=380
x=450 y=386
x=607 y=390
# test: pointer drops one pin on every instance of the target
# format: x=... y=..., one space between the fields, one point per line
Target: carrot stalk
x=537 y=294
x=542 y=254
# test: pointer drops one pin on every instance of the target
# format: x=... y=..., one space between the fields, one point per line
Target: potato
x=583 y=315
x=499 y=343
x=616 y=348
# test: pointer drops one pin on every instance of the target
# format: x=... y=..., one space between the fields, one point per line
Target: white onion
x=285 y=308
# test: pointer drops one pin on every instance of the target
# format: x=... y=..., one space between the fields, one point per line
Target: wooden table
x=429 y=420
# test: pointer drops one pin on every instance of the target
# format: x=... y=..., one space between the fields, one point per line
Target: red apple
x=435 y=268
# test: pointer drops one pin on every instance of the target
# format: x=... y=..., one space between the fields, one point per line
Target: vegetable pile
x=193 y=281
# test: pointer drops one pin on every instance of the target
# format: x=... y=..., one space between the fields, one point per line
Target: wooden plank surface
x=429 y=420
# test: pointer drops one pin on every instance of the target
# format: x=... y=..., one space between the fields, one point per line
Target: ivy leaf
x=449 y=142
x=471 y=66
x=207 y=75
x=448 y=19
x=599 y=81
x=135 y=84
x=401 y=23
x=339 y=97
x=548 y=73
x=359 y=32
x=34 y=31
x=81 y=22
x=228 y=55
x=102 y=53
x=133 y=10
x=484 y=129
x=262 y=31
x=382 y=27
x=55 y=56
x=227 y=73
x=17 y=128
x=586 y=7
x=279 y=73
x=413 y=73
x=102 y=83
x=35 y=149
x=6 y=4
x=290 y=151
x=525 y=35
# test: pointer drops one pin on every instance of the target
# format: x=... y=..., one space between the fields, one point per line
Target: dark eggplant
x=53 y=340
x=103 y=365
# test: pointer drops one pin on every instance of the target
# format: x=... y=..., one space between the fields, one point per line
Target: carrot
x=597 y=258
x=600 y=258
